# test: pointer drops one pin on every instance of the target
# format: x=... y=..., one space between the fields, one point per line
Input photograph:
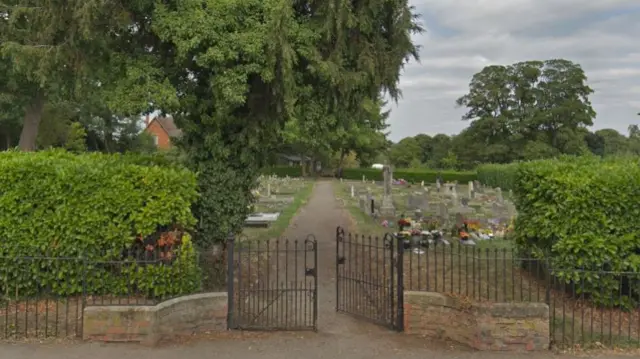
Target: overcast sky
x=463 y=36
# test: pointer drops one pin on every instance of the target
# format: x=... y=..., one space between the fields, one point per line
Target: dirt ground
x=338 y=335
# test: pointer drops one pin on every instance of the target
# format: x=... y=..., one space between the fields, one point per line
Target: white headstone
x=363 y=179
x=422 y=183
x=352 y=191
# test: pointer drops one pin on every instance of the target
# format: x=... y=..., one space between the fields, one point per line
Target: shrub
x=498 y=175
x=283 y=171
x=92 y=209
x=171 y=158
x=411 y=175
x=582 y=215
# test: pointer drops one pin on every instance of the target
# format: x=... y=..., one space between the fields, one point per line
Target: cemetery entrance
x=369 y=278
x=272 y=284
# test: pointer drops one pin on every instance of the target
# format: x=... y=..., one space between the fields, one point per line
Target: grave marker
x=387 y=208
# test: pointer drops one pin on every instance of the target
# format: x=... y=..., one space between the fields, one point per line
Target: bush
x=498 y=175
x=94 y=210
x=283 y=171
x=581 y=214
x=410 y=175
x=171 y=158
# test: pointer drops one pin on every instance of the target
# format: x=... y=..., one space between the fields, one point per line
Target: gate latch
x=310 y=272
x=341 y=260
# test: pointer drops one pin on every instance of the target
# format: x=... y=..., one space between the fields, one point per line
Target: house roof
x=168 y=125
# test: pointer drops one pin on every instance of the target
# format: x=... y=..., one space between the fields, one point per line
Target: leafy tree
x=246 y=69
x=533 y=108
x=76 y=52
x=405 y=152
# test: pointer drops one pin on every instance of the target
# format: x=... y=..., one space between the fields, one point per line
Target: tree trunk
x=32 y=118
x=7 y=139
x=343 y=153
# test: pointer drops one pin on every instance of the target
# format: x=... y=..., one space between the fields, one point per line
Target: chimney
x=146 y=120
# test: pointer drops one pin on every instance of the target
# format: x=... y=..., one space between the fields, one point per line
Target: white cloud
x=466 y=35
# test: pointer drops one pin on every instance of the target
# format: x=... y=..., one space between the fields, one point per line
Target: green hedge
x=411 y=175
x=283 y=171
x=86 y=211
x=581 y=214
x=498 y=175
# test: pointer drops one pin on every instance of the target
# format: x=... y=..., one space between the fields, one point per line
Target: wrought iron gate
x=369 y=278
x=273 y=284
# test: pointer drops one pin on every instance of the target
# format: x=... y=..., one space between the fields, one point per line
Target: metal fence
x=587 y=307
x=45 y=296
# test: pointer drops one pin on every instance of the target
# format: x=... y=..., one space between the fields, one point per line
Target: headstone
x=387 y=208
x=417 y=214
x=443 y=210
x=438 y=185
x=470 y=186
x=268 y=189
x=353 y=191
x=422 y=184
x=363 y=179
x=499 y=195
x=363 y=203
x=464 y=201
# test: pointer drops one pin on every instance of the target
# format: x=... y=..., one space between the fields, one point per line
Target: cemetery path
x=338 y=336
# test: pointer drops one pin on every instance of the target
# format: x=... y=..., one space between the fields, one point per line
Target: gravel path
x=338 y=335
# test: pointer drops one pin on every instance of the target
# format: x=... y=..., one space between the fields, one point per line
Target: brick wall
x=483 y=326
x=151 y=324
x=164 y=141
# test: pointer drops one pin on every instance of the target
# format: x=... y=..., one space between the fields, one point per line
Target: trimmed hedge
x=94 y=210
x=581 y=214
x=498 y=175
x=283 y=171
x=411 y=175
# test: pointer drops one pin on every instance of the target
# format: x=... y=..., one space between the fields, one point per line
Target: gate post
x=400 y=285
x=230 y=281
x=339 y=237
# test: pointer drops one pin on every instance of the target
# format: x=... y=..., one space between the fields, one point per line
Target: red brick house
x=162 y=129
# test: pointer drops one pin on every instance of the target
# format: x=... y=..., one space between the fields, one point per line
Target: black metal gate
x=370 y=278
x=273 y=284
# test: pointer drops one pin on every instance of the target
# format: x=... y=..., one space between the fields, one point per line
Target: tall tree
x=244 y=69
x=529 y=109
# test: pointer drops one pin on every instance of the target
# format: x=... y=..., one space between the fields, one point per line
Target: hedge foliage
x=410 y=175
x=582 y=215
x=371 y=174
x=498 y=175
x=91 y=209
x=283 y=171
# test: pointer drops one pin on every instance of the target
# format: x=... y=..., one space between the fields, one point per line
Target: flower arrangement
x=403 y=223
x=416 y=232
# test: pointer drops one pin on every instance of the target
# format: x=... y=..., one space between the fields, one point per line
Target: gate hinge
x=341 y=260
